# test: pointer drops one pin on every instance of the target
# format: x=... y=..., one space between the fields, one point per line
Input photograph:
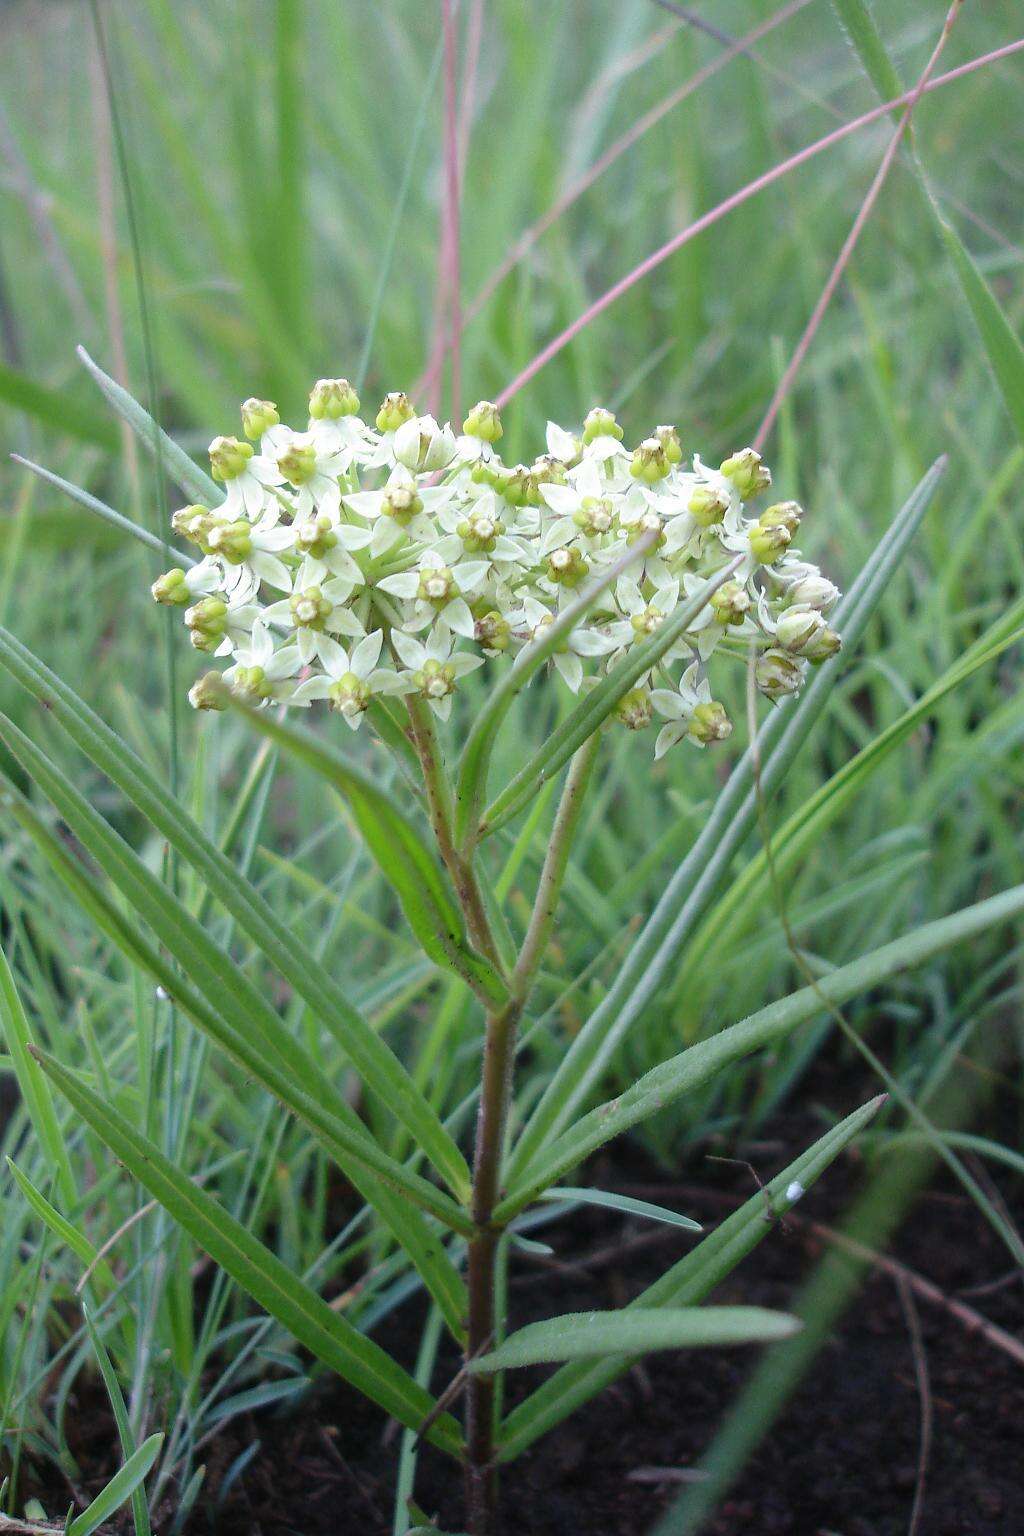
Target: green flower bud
x=706 y=506
x=233 y=541
x=350 y=696
x=634 y=709
x=206 y=623
x=331 y=399
x=228 y=457
x=436 y=681
x=778 y=674
x=784 y=514
x=309 y=608
x=547 y=470
x=798 y=628
x=600 y=423
x=171 y=588
x=825 y=644
x=646 y=622
x=649 y=462
x=395 y=409
x=730 y=602
x=437 y=585
x=480 y=533
x=401 y=504
x=747 y=472
x=250 y=685
x=483 y=422
x=595 y=515
x=767 y=544
x=567 y=566
x=258 y=416
x=520 y=488
x=298 y=462
x=709 y=722
x=492 y=631
x=668 y=437
x=315 y=536
x=208 y=692
x=814 y=591
x=647 y=523
x=193 y=523
x=487 y=472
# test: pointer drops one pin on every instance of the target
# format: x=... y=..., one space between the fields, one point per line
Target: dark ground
x=841 y=1461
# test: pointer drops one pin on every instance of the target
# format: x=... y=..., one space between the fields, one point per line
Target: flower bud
x=547 y=470
x=600 y=423
x=309 y=608
x=647 y=523
x=707 y=506
x=172 y=588
x=258 y=416
x=350 y=696
x=826 y=643
x=778 y=674
x=250 y=685
x=649 y=462
x=435 y=681
x=421 y=445
x=395 y=409
x=519 y=487
x=232 y=541
x=595 y=515
x=668 y=437
x=193 y=523
x=479 y=533
x=814 y=591
x=784 y=514
x=767 y=544
x=748 y=473
x=730 y=602
x=401 y=504
x=298 y=462
x=798 y=628
x=483 y=422
x=567 y=566
x=709 y=722
x=331 y=399
x=634 y=709
x=208 y=692
x=437 y=585
x=315 y=536
x=229 y=457
x=492 y=631
x=206 y=623
x=647 y=621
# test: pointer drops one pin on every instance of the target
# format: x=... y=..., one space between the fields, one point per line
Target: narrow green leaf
x=372 y=1058
x=401 y=853
x=120 y=1488
x=701 y=1062
x=183 y=470
x=710 y=859
x=64 y=1230
x=100 y=509
x=687 y=1283
x=625 y=1203
x=34 y=1089
x=858 y=22
x=635 y=1331
x=595 y=706
x=54 y=408
x=140 y=1508
x=259 y=1272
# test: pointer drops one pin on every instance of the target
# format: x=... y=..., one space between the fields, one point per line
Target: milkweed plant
x=353 y=574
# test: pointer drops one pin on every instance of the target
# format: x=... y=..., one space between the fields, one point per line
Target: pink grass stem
x=785 y=383
x=735 y=200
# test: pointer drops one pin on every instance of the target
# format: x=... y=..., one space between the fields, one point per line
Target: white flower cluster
x=350 y=562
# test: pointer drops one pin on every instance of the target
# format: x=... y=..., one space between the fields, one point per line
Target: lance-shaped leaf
x=699 y=1063
x=476 y=755
x=686 y=1284
x=624 y=1203
x=635 y=1331
x=35 y=1093
x=100 y=509
x=119 y=1490
x=183 y=470
x=260 y=1273
x=700 y=875
x=403 y=856
x=371 y=1056
x=595 y=706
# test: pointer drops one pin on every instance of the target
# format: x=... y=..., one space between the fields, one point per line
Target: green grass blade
x=324 y=1332
x=32 y=1086
x=634 y=1331
x=182 y=470
x=120 y=1488
x=372 y=1058
x=54 y=409
x=100 y=509
x=140 y=1509
x=625 y=1203
x=706 y=866
x=64 y=1230
x=699 y=1063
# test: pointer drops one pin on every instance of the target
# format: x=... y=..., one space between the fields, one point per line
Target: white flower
x=434 y=590
x=315 y=612
x=351 y=679
x=579 y=642
x=400 y=509
x=433 y=669
x=678 y=708
x=249 y=551
x=260 y=674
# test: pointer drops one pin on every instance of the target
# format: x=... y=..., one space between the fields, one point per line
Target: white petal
x=561 y=444
x=313 y=688
x=405 y=584
x=667 y=737
x=272 y=570
x=333 y=655
x=411 y=651
x=668 y=704
x=571 y=669
x=458 y=617
x=465 y=661
x=442 y=707
x=365 y=654
x=560 y=498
